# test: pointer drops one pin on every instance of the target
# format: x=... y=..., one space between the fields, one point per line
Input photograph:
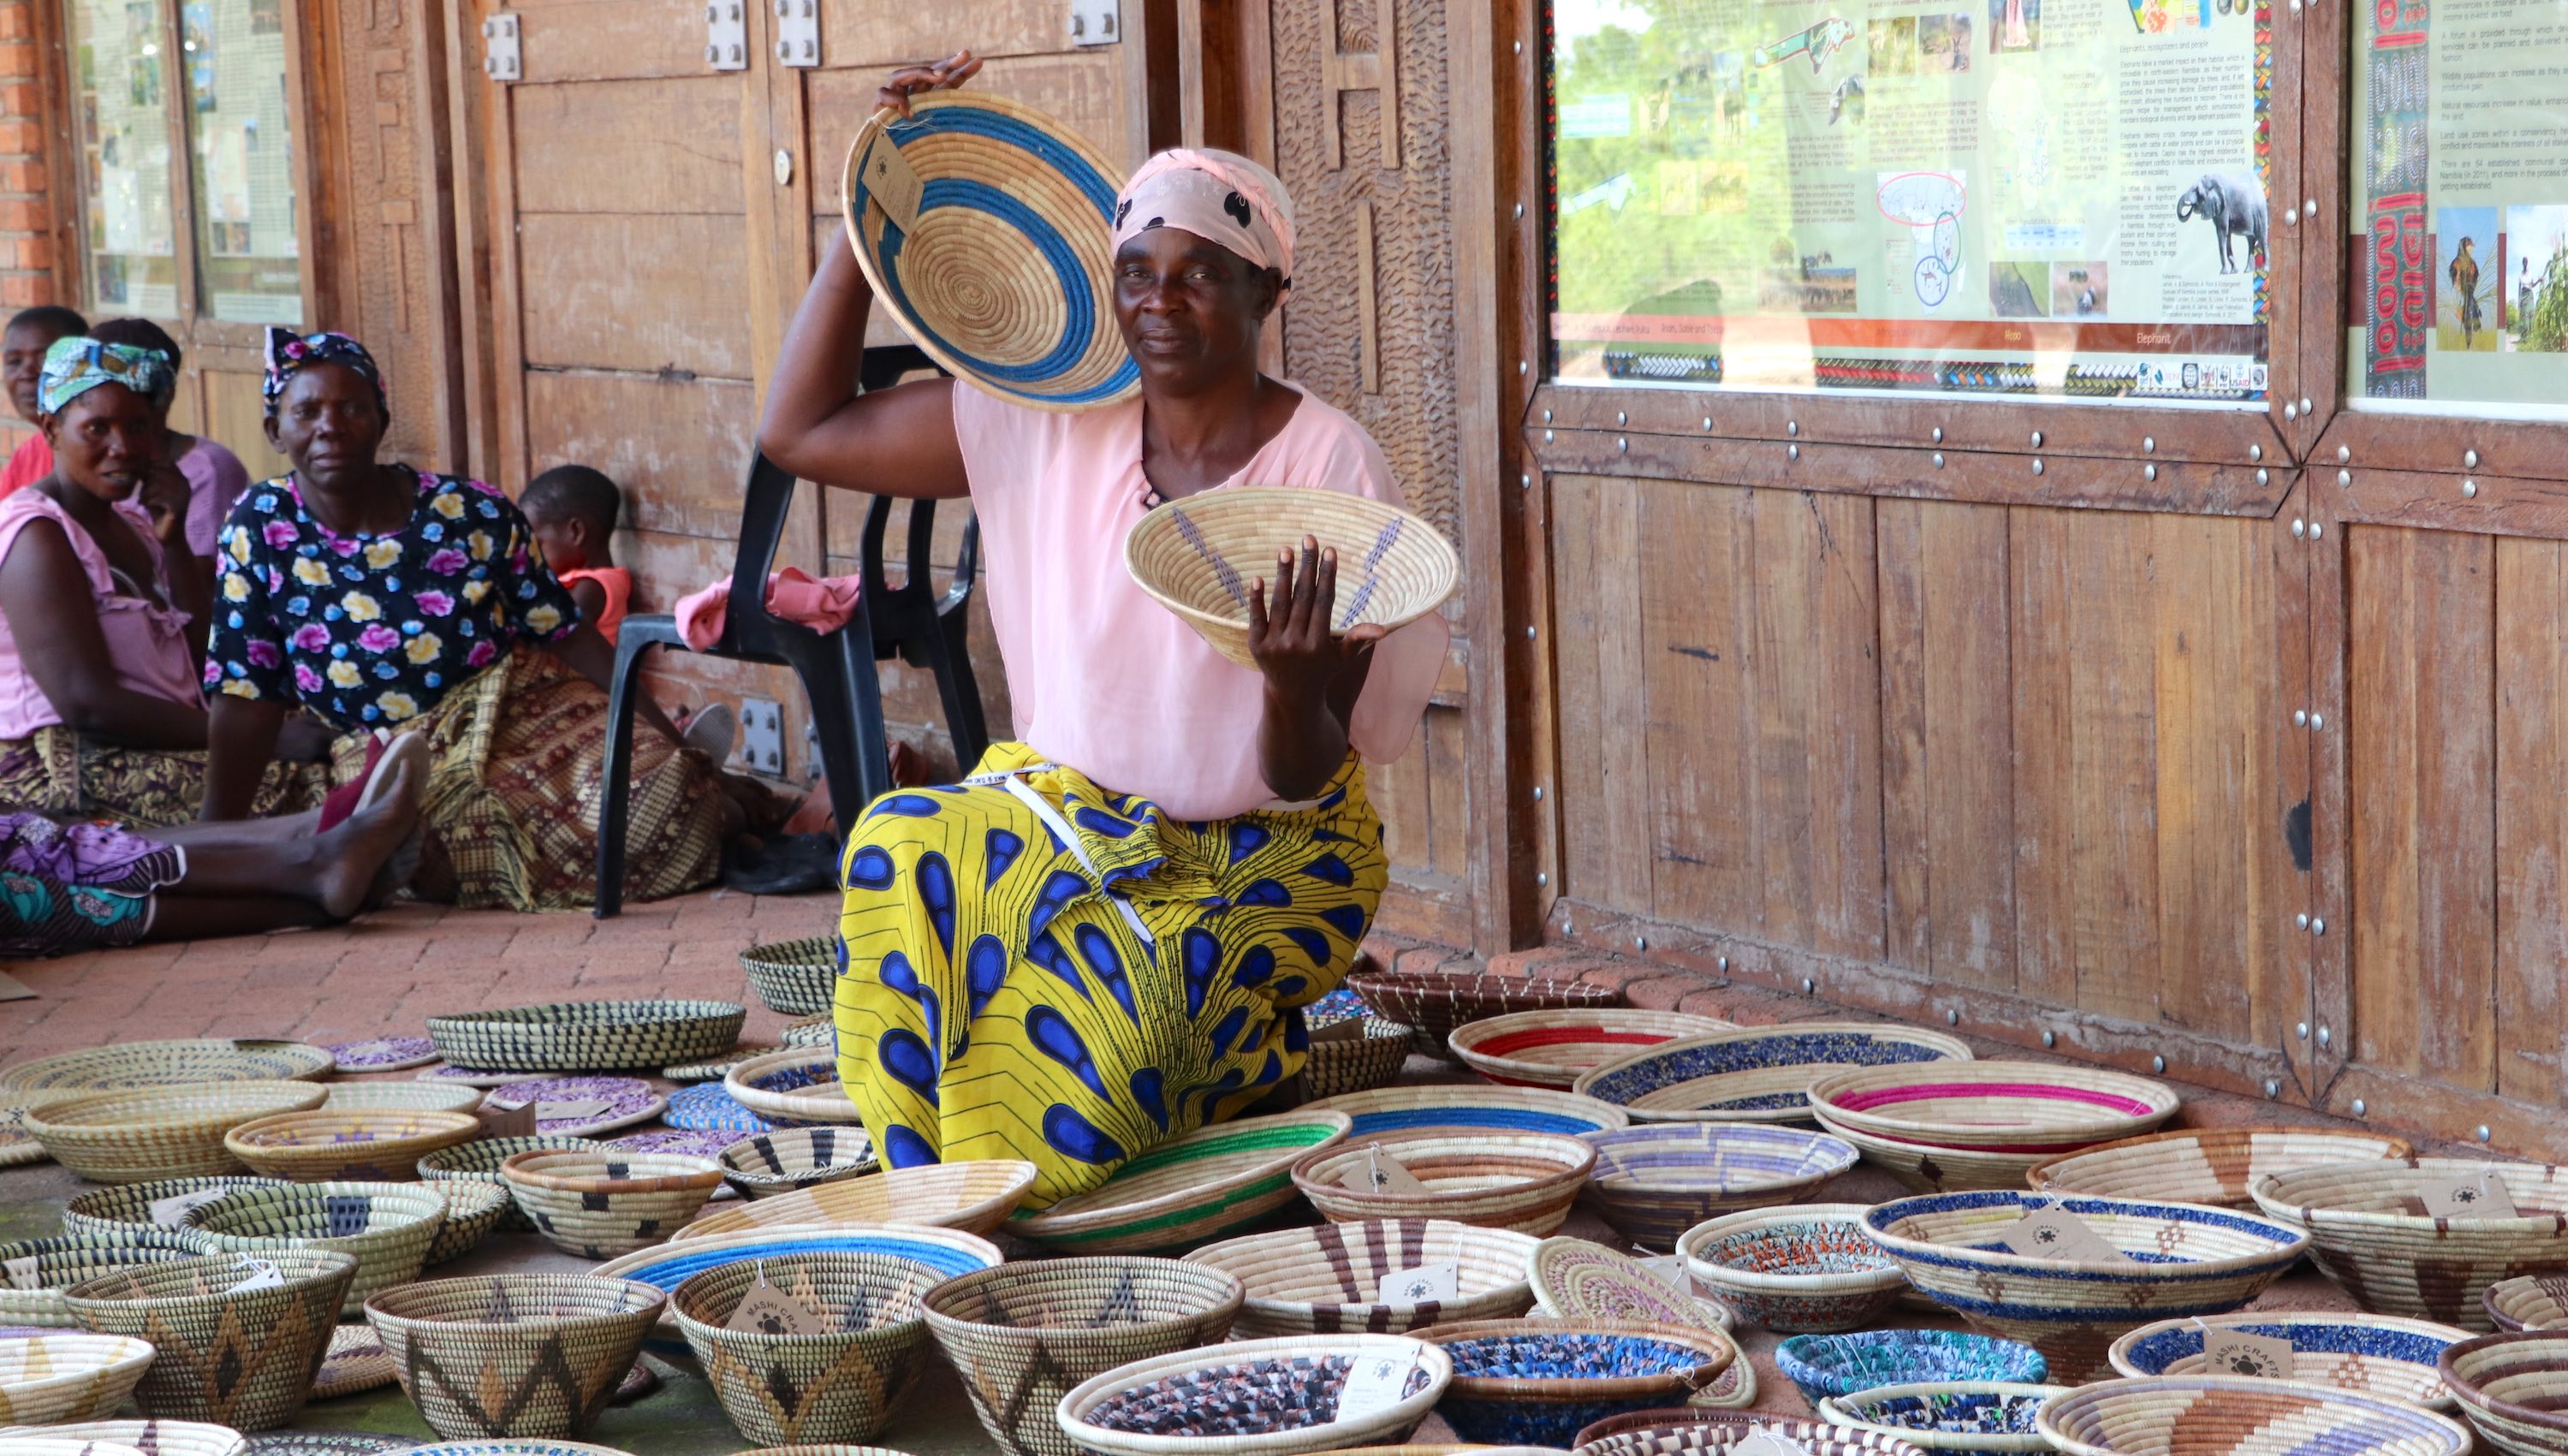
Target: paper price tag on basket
x=890 y=182
x=261 y=1273
x=1768 y=1443
x=1669 y=1267
x=1374 y=1386
x=2478 y=1194
x=502 y=1118
x=1429 y=1282
x=766 y=1309
x=24 y=1274
x=2055 y=1233
x=571 y=1111
x=2240 y=1353
x=169 y=1211
x=1380 y=1173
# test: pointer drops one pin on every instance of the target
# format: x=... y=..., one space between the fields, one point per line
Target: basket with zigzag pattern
x=516 y=1355
x=237 y=1356
x=838 y=1385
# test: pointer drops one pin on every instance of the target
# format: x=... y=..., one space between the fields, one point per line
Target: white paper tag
x=766 y=1309
x=1669 y=1267
x=2055 y=1233
x=891 y=182
x=23 y=1273
x=171 y=1212
x=1375 y=1384
x=1382 y=1173
x=1426 y=1284
x=2237 y=1353
x=2478 y=1194
x=571 y=1111
x=262 y=1275
x=1764 y=1442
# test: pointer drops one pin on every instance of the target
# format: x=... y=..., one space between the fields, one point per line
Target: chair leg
x=949 y=656
x=846 y=716
x=615 y=791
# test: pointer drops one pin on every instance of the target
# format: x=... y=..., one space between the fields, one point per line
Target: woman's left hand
x=1302 y=660
x=165 y=492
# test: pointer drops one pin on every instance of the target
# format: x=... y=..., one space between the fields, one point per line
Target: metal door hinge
x=501 y=58
x=797 y=33
x=727 y=35
x=1095 y=22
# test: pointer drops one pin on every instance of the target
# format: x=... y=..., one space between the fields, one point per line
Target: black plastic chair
x=924 y=627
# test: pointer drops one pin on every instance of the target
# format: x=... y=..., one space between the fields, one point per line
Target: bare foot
x=353 y=851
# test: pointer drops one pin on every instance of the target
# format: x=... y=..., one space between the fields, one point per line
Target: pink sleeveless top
x=1103 y=677
x=145 y=640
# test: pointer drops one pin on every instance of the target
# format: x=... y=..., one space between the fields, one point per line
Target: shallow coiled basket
x=1524 y=1182
x=1328 y=1279
x=160 y=1132
x=1023 y=1335
x=2370 y=1234
x=603 y=1203
x=1312 y=1367
x=975 y=1195
x=602 y=1035
x=2226 y=1415
x=795 y=977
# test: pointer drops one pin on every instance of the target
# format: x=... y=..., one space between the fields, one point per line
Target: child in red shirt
x=573 y=510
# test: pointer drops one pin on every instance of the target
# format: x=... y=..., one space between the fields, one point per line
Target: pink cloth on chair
x=824 y=604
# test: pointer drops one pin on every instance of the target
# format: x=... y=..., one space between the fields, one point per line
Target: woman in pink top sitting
x=104 y=609
x=1104 y=939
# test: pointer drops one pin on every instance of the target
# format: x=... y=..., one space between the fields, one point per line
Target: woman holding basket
x=1104 y=938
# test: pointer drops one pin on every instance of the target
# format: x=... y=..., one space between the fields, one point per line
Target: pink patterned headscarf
x=1219 y=196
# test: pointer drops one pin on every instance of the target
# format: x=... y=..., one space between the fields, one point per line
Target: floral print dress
x=373 y=631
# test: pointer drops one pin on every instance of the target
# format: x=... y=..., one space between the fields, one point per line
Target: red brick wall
x=26 y=204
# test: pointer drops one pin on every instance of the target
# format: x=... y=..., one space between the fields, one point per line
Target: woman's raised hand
x=1292 y=643
x=909 y=80
x=165 y=492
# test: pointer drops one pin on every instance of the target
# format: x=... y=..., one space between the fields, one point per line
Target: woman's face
x=106 y=439
x=1190 y=309
x=328 y=422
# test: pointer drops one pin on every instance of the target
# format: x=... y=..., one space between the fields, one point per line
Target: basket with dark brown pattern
x=1436 y=1001
x=237 y=1357
x=525 y=1356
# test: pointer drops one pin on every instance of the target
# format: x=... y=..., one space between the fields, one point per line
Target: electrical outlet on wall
x=811 y=751
x=762 y=736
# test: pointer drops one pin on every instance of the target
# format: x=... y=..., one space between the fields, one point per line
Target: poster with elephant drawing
x=1914 y=195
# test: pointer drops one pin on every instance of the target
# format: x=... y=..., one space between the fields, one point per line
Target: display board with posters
x=2459 y=170
x=2001 y=197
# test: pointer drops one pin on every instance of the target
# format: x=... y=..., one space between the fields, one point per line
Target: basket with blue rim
x=1390 y=1111
x=1756 y=1073
x=2377 y=1354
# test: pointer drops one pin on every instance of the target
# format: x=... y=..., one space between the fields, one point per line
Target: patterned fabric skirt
x=1035 y=967
x=76 y=887
x=58 y=772
x=517 y=759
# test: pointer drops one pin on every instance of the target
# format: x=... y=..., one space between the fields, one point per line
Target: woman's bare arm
x=895 y=441
x=54 y=620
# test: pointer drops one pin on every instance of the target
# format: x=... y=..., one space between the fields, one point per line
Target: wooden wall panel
x=1084 y=89
x=679 y=448
x=1604 y=763
x=1695 y=651
x=586 y=149
x=634 y=292
x=2531 y=819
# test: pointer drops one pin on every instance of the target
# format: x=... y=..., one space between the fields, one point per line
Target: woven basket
x=841 y=1385
x=17 y=1145
x=167 y=1132
x=1829 y=1365
x=35 y=1272
x=1436 y=1001
x=473 y=1211
x=1681 y=1433
x=480 y=1162
x=795 y=977
x=1524 y=1182
x=1388 y=1425
x=1808 y=1270
x=1370 y=1059
x=1200 y=1187
x=599 y=1036
x=46 y=1380
x=2198 y=1260
x=810 y=1032
x=1004 y=280
x=1655 y=1181
x=2531 y=1301
x=1922 y=1169
x=2207 y=1415
x=243 y=1358
x=1198 y=555
x=947 y=1251
x=2214 y=1165
x=975 y=1196
x=2509 y=1388
x=1576 y=1278
x=1022 y=1334
x=514 y=1355
x=796 y=1084
x=1549 y=1409
x=1963 y=1418
x=1756 y=1073
x=717 y=1067
x=386 y=1227
x=2371 y=1235
x=347 y=1146
x=39 y=1441
x=772 y=1163
x=2373 y=1355
x=159 y=1206
x=1328 y=1279
x=152 y=1438
x=600 y=1204
x=1995 y=1107
x=382 y=1097
x=1549 y=1049
x=126 y=1066
x=1389 y=1111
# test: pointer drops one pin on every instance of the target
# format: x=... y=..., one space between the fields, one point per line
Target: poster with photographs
x=1973 y=197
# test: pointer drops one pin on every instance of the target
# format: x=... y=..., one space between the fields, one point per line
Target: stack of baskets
x=161 y=1132
x=1983 y=1124
x=2369 y=1233
x=1525 y=1182
x=1317 y=1280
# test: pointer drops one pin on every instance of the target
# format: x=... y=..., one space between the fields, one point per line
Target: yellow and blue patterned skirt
x=1035 y=967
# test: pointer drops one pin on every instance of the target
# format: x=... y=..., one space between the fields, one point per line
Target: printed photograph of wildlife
x=2014 y=26
x=2226 y=211
x=2078 y=290
x=2466 y=280
x=2536 y=267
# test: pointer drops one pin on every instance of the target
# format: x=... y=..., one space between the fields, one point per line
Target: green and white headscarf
x=79 y=363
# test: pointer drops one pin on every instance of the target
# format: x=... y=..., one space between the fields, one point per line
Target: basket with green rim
x=1198 y=1187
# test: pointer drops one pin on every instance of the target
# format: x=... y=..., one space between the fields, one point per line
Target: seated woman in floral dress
x=102 y=608
x=377 y=595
